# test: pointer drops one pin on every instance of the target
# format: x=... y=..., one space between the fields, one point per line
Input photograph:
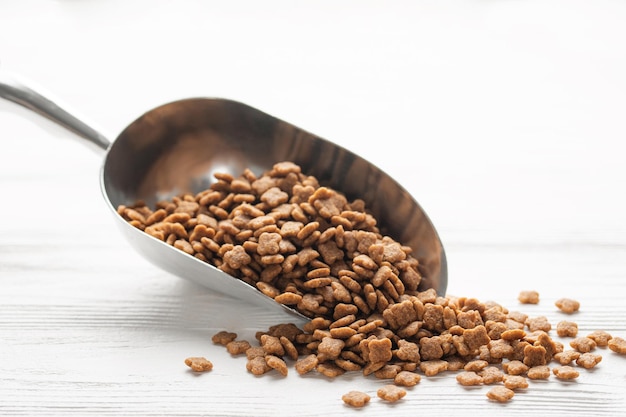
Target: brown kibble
x=432 y=368
x=329 y=369
x=255 y=352
x=588 y=360
x=567 y=329
x=476 y=365
x=601 y=337
x=407 y=379
x=238 y=347
x=538 y=323
x=408 y=351
x=528 y=297
x=491 y=375
x=306 y=364
x=567 y=305
x=500 y=348
x=583 y=344
x=567 y=357
x=500 y=394
x=386 y=372
x=565 y=372
x=617 y=345
x=272 y=345
x=199 y=364
x=391 y=393
x=308 y=247
x=469 y=378
x=223 y=337
x=515 y=367
x=258 y=366
x=330 y=348
x=515 y=382
x=534 y=355
x=539 y=372
x=356 y=399
x=380 y=350
x=277 y=363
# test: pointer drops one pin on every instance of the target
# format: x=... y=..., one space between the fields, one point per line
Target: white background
x=505 y=120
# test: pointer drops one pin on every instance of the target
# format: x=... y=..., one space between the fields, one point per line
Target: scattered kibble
x=308 y=247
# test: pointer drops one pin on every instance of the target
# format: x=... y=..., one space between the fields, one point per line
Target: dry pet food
x=567 y=305
x=356 y=399
x=565 y=372
x=199 y=364
x=528 y=297
x=307 y=246
x=567 y=329
x=500 y=394
x=617 y=344
x=469 y=378
x=296 y=241
x=391 y=393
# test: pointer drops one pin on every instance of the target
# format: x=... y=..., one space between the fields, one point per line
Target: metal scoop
x=177 y=147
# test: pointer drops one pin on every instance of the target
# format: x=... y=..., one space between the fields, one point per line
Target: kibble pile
x=308 y=247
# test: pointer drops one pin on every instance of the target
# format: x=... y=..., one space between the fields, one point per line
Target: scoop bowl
x=177 y=147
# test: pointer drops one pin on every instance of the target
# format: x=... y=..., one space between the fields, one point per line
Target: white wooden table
x=504 y=119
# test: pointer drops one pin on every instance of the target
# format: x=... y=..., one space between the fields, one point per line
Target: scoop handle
x=12 y=89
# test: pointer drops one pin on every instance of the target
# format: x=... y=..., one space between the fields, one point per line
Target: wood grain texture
x=517 y=109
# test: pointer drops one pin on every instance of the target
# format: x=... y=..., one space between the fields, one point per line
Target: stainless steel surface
x=178 y=146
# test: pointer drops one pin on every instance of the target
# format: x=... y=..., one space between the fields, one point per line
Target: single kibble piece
x=476 y=365
x=223 y=337
x=277 y=363
x=391 y=393
x=566 y=357
x=565 y=372
x=539 y=372
x=528 y=297
x=432 y=368
x=238 y=347
x=306 y=364
x=583 y=344
x=491 y=375
x=567 y=305
x=515 y=367
x=601 y=337
x=469 y=378
x=538 y=323
x=500 y=394
x=258 y=366
x=356 y=399
x=515 y=382
x=199 y=364
x=588 y=360
x=567 y=329
x=617 y=345
x=407 y=379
